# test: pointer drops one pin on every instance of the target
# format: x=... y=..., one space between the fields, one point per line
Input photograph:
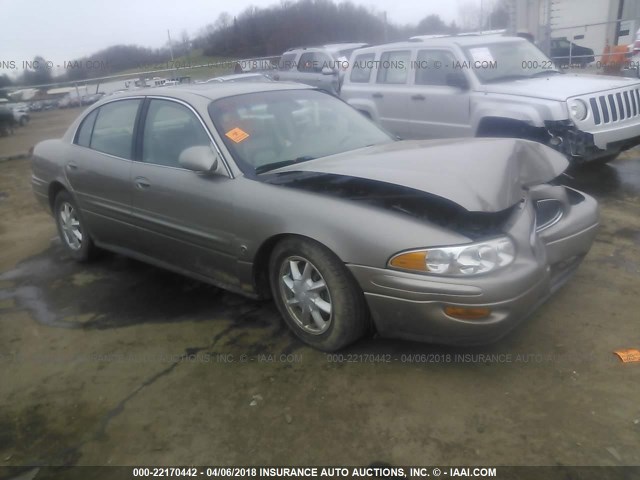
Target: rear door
x=390 y=93
x=437 y=110
x=185 y=218
x=99 y=171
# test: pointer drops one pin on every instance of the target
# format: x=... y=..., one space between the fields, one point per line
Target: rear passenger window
x=394 y=67
x=113 y=129
x=287 y=61
x=169 y=129
x=314 y=62
x=432 y=67
x=83 y=137
x=361 y=70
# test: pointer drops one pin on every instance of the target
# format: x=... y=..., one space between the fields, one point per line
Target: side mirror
x=327 y=71
x=458 y=80
x=200 y=158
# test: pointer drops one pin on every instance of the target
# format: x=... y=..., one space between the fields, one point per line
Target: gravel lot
x=120 y=363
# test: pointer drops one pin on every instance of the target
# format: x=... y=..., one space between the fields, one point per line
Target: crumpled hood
x=559 y=87
x=482 y=174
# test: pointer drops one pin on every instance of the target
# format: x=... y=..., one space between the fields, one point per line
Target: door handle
x=142 y=182
x=418 y=97
x=377 y=95
x=72 y=166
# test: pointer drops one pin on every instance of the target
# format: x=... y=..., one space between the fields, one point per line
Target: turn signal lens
x=410 y=261
x=467 y=313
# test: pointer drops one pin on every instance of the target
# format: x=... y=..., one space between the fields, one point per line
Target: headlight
x=578 y=109
x=460 y=260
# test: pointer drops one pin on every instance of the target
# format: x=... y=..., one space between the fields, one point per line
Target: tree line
x=265 y=32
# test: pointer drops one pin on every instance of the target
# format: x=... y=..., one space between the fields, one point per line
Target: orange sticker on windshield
x=628 y=355
x=237 y=135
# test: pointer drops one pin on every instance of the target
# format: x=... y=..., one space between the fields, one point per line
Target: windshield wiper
x=283 y=163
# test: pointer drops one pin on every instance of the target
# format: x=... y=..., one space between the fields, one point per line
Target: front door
x=185 y=218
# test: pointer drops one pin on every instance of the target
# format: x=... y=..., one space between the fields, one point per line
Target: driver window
x=169 y=129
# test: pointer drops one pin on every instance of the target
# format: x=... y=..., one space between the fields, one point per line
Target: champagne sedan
x=280 y=190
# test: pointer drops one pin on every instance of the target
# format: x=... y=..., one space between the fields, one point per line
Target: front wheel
x=315 y=294
x=71 y=228
x=602 y=160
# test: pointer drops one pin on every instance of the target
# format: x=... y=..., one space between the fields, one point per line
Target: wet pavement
x=119 y=363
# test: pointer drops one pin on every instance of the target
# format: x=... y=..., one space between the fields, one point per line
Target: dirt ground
x=119 y=363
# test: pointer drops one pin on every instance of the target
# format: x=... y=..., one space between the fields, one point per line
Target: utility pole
x=171 y=52
x=386 y=29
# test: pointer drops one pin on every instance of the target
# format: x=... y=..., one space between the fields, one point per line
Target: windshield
x=496 y=62
x=267 y=130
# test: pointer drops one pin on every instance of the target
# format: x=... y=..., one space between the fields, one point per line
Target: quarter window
x=83 y=137
x=169 y=129
x=361 y=70
x=113 y=129
x=394 y=67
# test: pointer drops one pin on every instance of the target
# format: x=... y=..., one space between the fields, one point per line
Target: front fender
x=531 y=111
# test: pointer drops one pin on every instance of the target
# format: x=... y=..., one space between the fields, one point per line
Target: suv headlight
x=578 y=109
x=460 y=260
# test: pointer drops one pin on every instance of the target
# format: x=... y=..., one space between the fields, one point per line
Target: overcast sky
x=62 y=30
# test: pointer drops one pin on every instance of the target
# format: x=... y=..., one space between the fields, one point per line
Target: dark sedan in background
x=278 y=190
x=567 y=53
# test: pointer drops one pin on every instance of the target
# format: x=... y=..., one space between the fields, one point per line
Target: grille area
x=615 y=107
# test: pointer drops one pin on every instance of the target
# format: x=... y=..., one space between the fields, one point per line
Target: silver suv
x=322 y=66
x=493 y=85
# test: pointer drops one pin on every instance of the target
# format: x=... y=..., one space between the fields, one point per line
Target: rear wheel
x=316 y=295
x=71 y=228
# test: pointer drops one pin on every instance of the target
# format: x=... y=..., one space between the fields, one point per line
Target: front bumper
x=585 y=146
x=411 y=306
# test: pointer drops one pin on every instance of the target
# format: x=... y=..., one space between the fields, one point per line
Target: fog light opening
x=555 y=141
x=467 y=313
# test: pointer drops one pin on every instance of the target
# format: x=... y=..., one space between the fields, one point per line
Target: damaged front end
x=580 y=146
x=420 y=205
x=525 y=236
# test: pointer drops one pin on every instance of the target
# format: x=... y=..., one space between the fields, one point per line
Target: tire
x=598 y=162
x=23 y=121
x=82 y=249
x=347 y=318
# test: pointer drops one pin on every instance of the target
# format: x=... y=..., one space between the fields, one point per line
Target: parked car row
x=13 y=115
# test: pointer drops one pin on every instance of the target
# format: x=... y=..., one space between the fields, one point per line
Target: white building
x=593 y=22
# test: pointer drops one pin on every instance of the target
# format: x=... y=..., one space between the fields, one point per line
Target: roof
x=211 y=91
x=445 y=41
x=333 y=47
